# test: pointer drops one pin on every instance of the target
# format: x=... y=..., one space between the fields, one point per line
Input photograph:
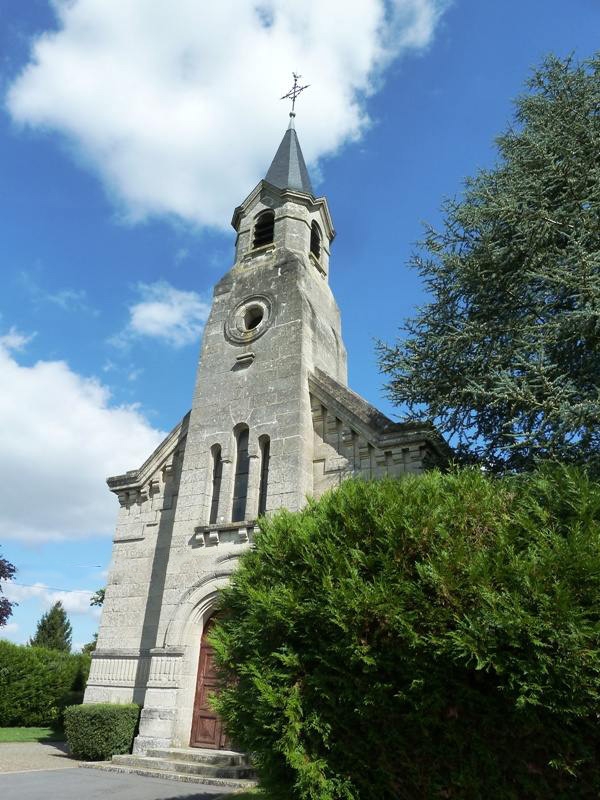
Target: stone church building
x=272 y=422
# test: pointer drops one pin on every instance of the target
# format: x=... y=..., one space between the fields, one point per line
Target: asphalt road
x=89 y=784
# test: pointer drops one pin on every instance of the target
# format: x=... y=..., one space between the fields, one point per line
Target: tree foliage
x=98 y=731
x=90 y=647
x=97 y=599
x=434 y=637
x=37 y=683
x=505 y=357
x=7 y=571
x=53 y=630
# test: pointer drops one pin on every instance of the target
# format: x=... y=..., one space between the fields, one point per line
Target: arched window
x=315 y=240
x=217 y=474
x=240 y=484
x=265 y=447
x=264 y=228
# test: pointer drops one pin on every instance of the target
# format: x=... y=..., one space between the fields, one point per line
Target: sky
x=129 y=131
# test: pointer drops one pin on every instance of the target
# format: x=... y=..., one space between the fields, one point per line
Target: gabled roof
x=288 y=168
x=378 y=429
x=137 y=477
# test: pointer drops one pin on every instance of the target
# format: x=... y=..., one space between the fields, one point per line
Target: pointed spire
x=288 y=169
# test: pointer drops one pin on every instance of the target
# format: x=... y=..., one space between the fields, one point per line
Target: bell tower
x=273 y=321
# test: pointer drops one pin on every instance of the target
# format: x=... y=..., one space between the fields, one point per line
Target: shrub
x=36 y=683
x=433 y=637
x=97 y=731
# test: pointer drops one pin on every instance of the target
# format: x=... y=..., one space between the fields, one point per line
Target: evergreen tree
x=97 y=599
x=505 y=357
x=7 y=570
x=90 y=647
x=53 y=630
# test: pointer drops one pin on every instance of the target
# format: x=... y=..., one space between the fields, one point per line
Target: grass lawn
x=30 y=735
x=253 y=794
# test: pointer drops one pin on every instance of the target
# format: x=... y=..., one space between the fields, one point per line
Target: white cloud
x=15 y=340
x=12 y=632
x=9 y=629
x=176 y=105
x=61 y=438
x=164 y=312
x=76 y=601
x=66 y=299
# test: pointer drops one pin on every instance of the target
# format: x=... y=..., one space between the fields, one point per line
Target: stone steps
x=189 y=768
x=193 y=765
x=226 y=758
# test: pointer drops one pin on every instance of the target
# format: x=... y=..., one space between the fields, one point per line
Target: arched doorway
x=207 y=728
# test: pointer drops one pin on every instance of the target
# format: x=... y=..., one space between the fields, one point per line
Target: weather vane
x=294 y=92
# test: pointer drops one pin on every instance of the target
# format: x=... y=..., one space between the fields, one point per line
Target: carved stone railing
x=156 y=668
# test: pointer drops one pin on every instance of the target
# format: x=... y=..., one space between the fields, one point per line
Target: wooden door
x=207 y=728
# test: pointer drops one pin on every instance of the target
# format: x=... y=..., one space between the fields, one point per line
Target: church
x=272 y=422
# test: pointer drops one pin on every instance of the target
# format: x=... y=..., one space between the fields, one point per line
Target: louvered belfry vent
x=264 y=229
x=315 y=240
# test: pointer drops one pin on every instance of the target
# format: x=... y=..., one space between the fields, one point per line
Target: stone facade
x=272 y=374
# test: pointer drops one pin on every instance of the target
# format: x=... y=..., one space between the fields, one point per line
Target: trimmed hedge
x=98 y=731
x=432 y=637
x=37 y=683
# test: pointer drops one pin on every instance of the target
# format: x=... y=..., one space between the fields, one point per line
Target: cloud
x=61 y=437
x=12 y=632
x=14 y=340
x=176 y=105
x=66 y=299
x=69 y=299
x=174 y=316
x=76 y=601
x=9 y=627
x=181 y=255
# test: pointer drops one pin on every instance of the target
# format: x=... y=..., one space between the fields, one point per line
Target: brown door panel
x=207 y=728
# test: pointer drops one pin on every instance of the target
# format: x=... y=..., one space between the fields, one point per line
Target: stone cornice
x=377 y=429
x=136 y=478
x=285 y=194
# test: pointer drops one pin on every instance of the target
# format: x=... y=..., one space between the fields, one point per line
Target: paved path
x=37 y=771
x=87 y=784
x=21 y=756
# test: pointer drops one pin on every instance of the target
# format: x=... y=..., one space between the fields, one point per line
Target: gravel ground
x=29 y=756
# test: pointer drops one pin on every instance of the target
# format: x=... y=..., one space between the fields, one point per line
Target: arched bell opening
x=264 y=228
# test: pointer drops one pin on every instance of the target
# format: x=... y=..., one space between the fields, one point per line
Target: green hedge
x=98 y=731
x=37 y=683
x=433 y=637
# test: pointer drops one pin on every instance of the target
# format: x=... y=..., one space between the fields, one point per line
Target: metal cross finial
x=294 y=92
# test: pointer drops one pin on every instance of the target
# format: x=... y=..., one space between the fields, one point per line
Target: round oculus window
x=249 y=319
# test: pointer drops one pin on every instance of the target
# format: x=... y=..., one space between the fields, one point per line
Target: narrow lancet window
x=265 y=447
x=315 y=240
x=264 y=228
x=217 y=467
x=240 y=484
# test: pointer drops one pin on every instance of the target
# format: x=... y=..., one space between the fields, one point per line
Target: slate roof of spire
x=288 y=169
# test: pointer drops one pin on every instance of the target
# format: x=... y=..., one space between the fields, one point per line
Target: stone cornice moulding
x=313 y=204
x=135 y=479
x=380 y=431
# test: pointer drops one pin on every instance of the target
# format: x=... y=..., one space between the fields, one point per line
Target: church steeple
x=288 y=168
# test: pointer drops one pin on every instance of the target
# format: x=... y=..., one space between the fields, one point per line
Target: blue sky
x=126 y=140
